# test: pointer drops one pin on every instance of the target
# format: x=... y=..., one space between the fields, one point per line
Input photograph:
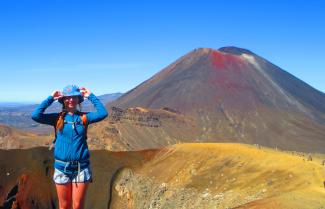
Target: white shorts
x=85 y=175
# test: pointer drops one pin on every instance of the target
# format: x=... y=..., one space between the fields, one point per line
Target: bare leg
x=79 y=194
x=64 y=192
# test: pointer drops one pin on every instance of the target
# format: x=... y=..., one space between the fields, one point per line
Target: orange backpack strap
x=84 y=121
x=55 y=130
x=56 y=123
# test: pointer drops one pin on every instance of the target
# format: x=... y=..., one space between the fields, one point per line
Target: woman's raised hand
x=56 y=94
x=85 y=92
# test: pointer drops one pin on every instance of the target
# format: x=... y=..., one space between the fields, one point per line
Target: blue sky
x=112 y=46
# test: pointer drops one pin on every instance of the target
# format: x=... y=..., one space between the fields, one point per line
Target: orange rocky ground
x=191 y=176
x=13 y=138
x=222 y=176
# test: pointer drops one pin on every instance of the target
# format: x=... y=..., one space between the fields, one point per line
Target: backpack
x=84 y=122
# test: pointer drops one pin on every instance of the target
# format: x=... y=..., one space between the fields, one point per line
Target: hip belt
x=70 y=166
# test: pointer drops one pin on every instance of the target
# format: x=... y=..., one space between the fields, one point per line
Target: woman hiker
x=72 y=172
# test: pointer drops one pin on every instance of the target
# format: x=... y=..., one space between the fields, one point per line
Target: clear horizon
x=112 y=47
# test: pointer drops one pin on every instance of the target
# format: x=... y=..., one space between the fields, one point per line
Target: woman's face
x=71 y=102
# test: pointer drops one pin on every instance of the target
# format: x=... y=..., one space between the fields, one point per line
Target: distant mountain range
x=14 y=104
x=18 y=115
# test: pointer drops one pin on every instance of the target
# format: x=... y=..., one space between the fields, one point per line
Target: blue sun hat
x=71 y=90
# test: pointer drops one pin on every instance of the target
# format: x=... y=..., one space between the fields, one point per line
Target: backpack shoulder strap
x=83 y=117
x=56 y=122
x=84 y=121
x=55 y=130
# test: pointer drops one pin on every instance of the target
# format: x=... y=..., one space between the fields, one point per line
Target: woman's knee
x=65 y=205
x=78 y=205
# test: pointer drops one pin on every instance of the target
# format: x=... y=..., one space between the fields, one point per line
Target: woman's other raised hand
x=85 y=92
x=56 y=94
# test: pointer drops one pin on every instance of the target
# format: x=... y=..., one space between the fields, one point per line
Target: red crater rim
x=221 y=60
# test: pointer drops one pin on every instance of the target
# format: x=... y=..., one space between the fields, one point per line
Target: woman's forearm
x=101 y=111
x=39 y=116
